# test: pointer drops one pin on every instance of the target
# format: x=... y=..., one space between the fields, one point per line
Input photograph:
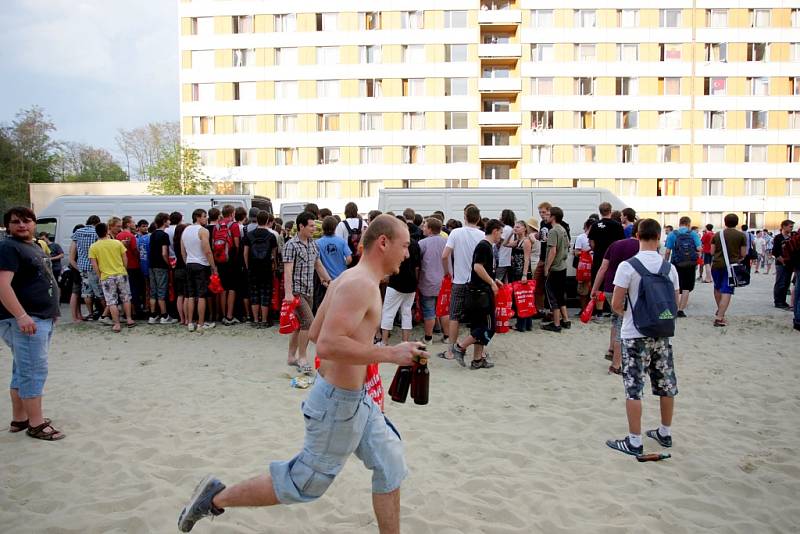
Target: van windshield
x=47 y=224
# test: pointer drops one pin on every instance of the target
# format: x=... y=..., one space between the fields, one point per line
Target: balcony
x=500 y=16
x=499 y=118
x=500 y=50
x=501 y=152
x=499 y=85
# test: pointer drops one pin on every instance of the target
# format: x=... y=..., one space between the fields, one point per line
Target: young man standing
x=300 y=261
x=603 y=233
x=400 y=292
x=708 y=258
x=736 y=245
x=538 y=273
x=135 y=279
x=90 y=284
x=158 y=257
x=642 y=354
x=783 y=273
x=260 y=255
x=225 y=239
x=143 y=244
x=760 y=244
x=682 y=249
x=28 y=311
x=555 y=271
x=334 y=252
x=628 y=218
x=460 y=245
x=351 y=229
x=431 y=274
x=109 y=260
x=196 y=251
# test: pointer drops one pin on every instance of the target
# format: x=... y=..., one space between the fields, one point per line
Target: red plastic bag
x=215 y=284
x=171 y=286
x=503 y=309
x=586 y=314
x=417 y=311
x=374 y=384
x=524 y=298
x=277 y=293
x=289 y=321
x=443 y=300
x=584 y=271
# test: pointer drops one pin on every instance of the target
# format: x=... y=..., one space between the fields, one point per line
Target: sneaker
x=783 y=306
x=192 y=327
x=209 y=326
x=152 y=320
x=624 y=445
x=483 y=363
x=681 y=313
x=566 y=324
x=459 y=354
x=551 y=327
x=105 y=320
x=167 y=320
x=437 y=329
x=664 y=441
x=230 y=322
x=201 y=505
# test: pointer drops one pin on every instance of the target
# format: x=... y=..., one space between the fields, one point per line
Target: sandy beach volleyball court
x=518 y=448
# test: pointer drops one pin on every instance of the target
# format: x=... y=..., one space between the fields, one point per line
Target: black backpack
x=353 y=239
x=655 y=309
x=259 y=246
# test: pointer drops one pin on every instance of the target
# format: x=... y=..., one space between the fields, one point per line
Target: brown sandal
x=19 y=426
x=41 y=432
x=614 y=370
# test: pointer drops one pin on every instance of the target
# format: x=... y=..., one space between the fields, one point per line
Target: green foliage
x=83 y=163
x=177 y=172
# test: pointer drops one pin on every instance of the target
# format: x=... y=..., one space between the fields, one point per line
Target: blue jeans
x=29 y=370
x=783 y=277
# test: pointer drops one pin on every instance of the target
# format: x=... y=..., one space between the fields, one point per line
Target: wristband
x=21 y=316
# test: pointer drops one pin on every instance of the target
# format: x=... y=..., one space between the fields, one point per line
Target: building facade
x=693 y=107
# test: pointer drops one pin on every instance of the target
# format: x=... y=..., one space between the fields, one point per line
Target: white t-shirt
x=504 y=254
x=170 y=230
x=582 y=243
x=341 y=229
x=627 y=277
x=760 y=245
x=463 y=241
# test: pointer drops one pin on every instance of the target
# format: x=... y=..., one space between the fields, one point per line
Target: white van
x=60 y=217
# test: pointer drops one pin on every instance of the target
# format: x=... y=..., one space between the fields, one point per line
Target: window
x=627 y=52
x=794 y=120
x=413 y=120
x=582 y=182
x=286 y=56
x=627 y=187
x=759 y=86
x=244 y=123
x=287 y=190
x=371 y=21
x=796 y=18
x=794 y=51
x=329 y=189
x=754 y=187
x=244 y=157
x=286 y=89
x=496 y=105
x=455 y=86
x=585 y=18
x=327 y=122
x=370 y=88
x=714 y=86
x=244 y=90
x=627 y=18
x=496 y=38
x=456 y=120
x=585 y=52
x=669 y=18
x=372 y=155
x=793 y=187
x=496 y=138
x=371 y=121
x=413 y=155
x=755 y=219
x=542 y=120
x=208 y=158
x=495 y=72
x=202 y=25
x=627 y=153
x=456 y=154
x=666 y=187
x=627 y=87
x=584 y=86
x=327 y=22
x=583 y=120
x=713 y=187
x=285 y=156
x=755 y=154
x=627 y=120
x=243 y=24
x=202 y=125
x=286 y=22
x=585 y=153
x=203 y=92
x=717 y=18
x=455 y=52
x=496 y=172
x=542 y=153
x=456 y=183
x=717 y=52
x=414 y=87
x=244 y=57
x=756 y=120
x=796 y=85
x=542 y=86
x=413 y=53
x=328 y=155
x=542 y=52
x=412 y=20
x=202 y=59
x=759 y=18
x=669 y=119
x=328 y=89
x=793 y=153
x=285 y=123
x=371 y=54
x=542 y=18
x=327 y=55
x=542 y=182
x=715 y=120
x=669 y=153
x=714 y=153
x=371 y=188
x=757 y=51
x=670 y=51
x=455 y=19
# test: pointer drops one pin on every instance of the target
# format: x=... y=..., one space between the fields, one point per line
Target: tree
x=79 y=162
x=143 y=147
x=178 y=173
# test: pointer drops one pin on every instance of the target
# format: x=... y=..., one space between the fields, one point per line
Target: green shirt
x=557 y=238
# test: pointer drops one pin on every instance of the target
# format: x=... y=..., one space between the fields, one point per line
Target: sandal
x=19 y=426
x=41 y=432
x=720 y=322
x=305 y=369
x=609 y=355
x=614 y=370
x=130 y=325
x=443 y=355
x=116 y=329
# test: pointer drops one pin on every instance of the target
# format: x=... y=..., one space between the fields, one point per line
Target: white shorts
x=394 y=300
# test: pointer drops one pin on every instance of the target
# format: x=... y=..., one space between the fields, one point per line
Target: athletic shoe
x=459 y=354
x=167 y=320
x=201 y=505
x=566 y=324
x=230 y=322
x=105 y=320
x=152 y=320
x=483 y=363
x=551 y=327
x=681 y=313
x=209 y=326
x=624 y=445
x=192 y=327
x=783 y=306
x=664 y=441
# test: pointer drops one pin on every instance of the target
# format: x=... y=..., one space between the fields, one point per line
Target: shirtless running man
x=340 y=417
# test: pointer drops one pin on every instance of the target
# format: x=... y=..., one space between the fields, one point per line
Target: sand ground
x=518 y=448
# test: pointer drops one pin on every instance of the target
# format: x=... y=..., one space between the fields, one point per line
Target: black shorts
x=229 y=274
x=556 y=288
x=179 y=281
x=481 y=313
x=260 y=286
x=686 y=277
x=197 y=277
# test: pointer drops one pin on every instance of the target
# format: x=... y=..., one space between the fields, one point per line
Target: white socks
x=664 y=431
x=635 y=439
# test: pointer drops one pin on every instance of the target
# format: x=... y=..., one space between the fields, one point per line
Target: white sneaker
x=192 y=327
x=152 y=320
x=168 y=320
x=209 y=326
x=106 y=321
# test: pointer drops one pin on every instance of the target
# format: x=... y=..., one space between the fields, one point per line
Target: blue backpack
x=684 y=250
x=655 y=309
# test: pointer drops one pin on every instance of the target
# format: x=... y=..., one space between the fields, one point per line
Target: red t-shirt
x=706 y=241
x=129 y=240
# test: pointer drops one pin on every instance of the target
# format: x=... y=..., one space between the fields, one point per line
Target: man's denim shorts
x=90 y=285
x=29 y=370
x=339 y=422
x=428 y=307
x=159 y=283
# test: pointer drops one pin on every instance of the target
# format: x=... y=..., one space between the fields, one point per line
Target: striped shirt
x=84 y=238
x=304 y=257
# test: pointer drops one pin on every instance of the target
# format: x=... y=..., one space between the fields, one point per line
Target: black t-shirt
x=483 y=254
x=55 y=250
x=176 y=245
x=272 y=243
x=405 y=281
x=33 y=281
x=158 y=239
x=603 y=233
x=414 y=232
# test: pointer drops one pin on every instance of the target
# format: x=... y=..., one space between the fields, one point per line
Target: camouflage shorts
x=116 y=289
x=651 y=356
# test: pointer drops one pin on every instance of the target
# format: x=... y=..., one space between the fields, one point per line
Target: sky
x=94 y=65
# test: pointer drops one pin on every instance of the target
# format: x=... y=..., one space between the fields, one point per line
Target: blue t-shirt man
x=673 y=236
x=333 y=253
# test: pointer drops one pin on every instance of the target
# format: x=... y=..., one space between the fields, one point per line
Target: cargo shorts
x=339 y=422
x=647 y=355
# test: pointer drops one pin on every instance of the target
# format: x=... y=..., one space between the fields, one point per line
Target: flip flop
x=130 y=325
x=443 y=355
x=614 y=370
